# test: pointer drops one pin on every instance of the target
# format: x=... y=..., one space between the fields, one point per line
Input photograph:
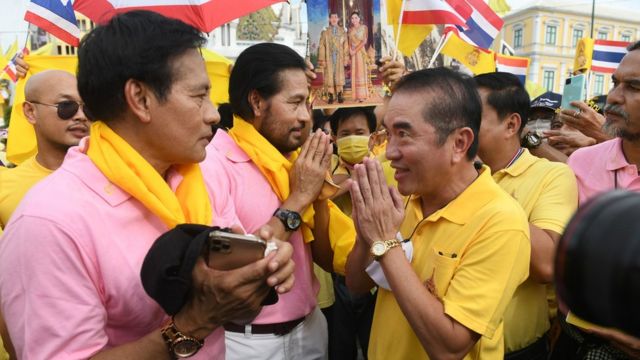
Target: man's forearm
x=358 y=281
x=441 y=336
x=150 y=347
x=543 y=248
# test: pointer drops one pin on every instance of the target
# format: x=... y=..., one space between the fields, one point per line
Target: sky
x=12 y=25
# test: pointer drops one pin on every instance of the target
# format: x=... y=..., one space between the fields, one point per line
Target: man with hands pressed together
x=470 y=239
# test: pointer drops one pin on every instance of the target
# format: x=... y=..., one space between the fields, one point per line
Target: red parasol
x=205 y=15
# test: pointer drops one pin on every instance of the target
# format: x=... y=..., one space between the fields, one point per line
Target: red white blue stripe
x=55 y=17
x=10 y=69
x=607 y=55
x=418 y=12
x=517 y=66
x=482 y=27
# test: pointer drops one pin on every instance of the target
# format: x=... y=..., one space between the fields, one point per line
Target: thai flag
x=607 y=55
x=419 y=12
x=482 y=27
x=10 y=69
x=518 y=66
x=55 y=17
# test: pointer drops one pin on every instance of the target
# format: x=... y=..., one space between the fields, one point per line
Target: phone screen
x=574 y=90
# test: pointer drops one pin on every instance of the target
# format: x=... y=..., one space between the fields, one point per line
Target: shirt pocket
x=439 y=277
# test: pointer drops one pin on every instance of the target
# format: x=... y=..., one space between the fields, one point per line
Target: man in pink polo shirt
x=71 y=255
x=268 y=92
x=614 y=164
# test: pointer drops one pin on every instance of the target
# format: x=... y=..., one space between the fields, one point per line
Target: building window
x=625 y=37
x=598 y=84
x=550 y=35
x=548 y=80
x=517 y=38
x=602 y=35
x=223 y=37
x=577 y=35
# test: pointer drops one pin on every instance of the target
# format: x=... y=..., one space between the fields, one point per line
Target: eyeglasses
x=66 y=109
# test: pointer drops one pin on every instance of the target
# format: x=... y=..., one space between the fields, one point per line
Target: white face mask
x=353 y=148
x=539 y=125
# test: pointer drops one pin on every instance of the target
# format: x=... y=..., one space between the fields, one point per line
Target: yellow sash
x=275 y=168
x=127 y=169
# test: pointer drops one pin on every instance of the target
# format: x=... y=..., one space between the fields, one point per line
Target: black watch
x=531 y=140
x=290 y=219
x=180 y=345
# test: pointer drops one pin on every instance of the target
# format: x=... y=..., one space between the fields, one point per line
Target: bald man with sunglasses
x=54 y=108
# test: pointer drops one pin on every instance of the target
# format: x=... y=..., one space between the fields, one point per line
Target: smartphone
x=228 y=251
x=574 y=90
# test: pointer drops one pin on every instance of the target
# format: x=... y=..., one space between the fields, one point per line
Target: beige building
x=546 y=31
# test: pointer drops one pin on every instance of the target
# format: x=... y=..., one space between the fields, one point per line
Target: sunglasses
x=66 y=109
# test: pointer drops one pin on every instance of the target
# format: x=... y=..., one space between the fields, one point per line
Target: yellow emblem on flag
x=584 y=55
x=479 y=61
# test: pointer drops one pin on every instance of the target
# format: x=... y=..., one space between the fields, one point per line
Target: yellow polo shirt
x=548 y=193
x=14 y=184
x=476 y=252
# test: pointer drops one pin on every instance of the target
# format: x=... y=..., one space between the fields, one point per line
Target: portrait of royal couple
x=345 y=52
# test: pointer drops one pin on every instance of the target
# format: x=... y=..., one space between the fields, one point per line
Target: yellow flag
x=4 y=60
x=479 y=61
x=219 y=70
x=43 y=50
x=584 y=55
x=12 y=50
x=411 y=36
x=21 y=143
x=499 y=6
x=534 y=89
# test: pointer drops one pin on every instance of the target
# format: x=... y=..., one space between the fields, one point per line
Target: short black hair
x=507 y=95
x=344 y=113
x=134 y=45
x=226 y=118
x=258 y=68
x=451 y=102
x=633 y=46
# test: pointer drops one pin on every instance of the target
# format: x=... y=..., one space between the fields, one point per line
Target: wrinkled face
x=50 y=128
x=333 y=19
x=181 y=125
x=622 y=111
x=354 y=125
x=492 y=128
x=422 y=165
x=355 y=19
x=287 y=116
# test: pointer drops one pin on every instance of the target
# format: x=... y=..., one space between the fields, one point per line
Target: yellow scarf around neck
x=276 y=167
x=127 y=169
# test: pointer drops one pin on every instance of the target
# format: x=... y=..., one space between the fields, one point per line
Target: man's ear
x=256 y=102
x=512 y=124
x=138 y=97
x=461 y=142
x=29 y=111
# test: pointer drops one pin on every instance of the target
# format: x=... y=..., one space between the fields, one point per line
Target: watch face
x=185 y=347
x=293 y=222
x=378 y=248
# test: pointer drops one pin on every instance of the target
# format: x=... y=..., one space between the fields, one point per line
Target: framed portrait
x=345 y=49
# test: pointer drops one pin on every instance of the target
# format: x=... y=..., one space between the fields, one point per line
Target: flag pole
x=395 y=53
x=436 y=52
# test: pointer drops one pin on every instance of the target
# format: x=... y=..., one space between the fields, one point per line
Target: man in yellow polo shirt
x=54 y=108
x=548 y=193
x=470 y=239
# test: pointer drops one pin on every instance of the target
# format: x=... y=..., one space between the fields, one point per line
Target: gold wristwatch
x=180 y=345
x=380 y=247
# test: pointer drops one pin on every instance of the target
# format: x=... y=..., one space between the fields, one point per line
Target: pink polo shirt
x=603 y=167
x=228 y=169
x=70 y=262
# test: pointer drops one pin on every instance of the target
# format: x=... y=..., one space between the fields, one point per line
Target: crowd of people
x=426 y=228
